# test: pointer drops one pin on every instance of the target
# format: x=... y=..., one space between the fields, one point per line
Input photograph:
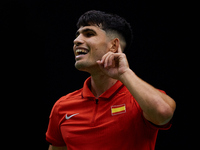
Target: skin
x=57 y=148
x=107 y=63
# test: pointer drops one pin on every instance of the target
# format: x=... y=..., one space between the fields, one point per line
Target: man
x=115 y=109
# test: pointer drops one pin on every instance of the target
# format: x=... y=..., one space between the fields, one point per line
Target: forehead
x=95 y=29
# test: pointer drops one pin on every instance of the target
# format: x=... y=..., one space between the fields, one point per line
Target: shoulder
x=77 y=93
x=62 y=102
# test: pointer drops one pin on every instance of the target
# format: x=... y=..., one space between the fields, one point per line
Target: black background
x=37 y=40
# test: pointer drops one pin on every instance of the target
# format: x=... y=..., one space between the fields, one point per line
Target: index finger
x=120 y=49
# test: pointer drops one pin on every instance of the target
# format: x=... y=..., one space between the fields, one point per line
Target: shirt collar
x=107 y=94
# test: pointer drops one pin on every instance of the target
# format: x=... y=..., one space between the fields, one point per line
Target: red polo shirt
x=114 y=121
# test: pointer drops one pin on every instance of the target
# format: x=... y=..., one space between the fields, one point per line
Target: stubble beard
x=86 y=66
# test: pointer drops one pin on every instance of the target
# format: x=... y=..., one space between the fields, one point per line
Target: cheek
x=101 y=48
x=99 y=52
x=98 y=47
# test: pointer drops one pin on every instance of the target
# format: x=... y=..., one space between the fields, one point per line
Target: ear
x=115 y=44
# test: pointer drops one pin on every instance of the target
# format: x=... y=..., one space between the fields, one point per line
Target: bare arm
x=57 y=148
x=157 y=107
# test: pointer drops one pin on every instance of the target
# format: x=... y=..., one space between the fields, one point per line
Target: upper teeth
x=81 y=51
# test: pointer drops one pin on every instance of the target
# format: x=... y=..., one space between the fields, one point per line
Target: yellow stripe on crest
x=115 y=110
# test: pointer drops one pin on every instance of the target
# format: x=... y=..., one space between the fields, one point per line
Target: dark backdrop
x=37 y=40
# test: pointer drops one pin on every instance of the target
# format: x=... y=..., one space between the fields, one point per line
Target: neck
x=101 y=83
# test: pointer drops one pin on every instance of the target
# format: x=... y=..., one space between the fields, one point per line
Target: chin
x=84 y=66
x=80 y=66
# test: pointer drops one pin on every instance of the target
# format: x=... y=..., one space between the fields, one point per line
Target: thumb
x=99 y=62
x=101 y=65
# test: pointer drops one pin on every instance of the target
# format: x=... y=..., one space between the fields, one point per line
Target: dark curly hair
x=108 y=22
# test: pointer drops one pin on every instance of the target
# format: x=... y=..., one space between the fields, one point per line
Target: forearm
x=57 y=148
x=157 y=107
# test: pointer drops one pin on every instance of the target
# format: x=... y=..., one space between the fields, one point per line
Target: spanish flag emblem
x=118 y=109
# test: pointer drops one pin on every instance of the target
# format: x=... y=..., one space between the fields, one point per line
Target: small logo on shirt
x=70 y=116
x=118 y=109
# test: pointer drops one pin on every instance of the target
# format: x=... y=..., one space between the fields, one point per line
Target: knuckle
x=123 y=54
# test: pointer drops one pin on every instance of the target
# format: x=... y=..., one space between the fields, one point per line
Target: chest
x=90 y=121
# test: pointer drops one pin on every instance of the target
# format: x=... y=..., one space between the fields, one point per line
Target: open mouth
x=81 y=52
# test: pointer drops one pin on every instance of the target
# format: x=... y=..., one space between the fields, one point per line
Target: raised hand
x=114 y=64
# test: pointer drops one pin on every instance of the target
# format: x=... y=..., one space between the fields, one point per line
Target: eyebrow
x=85 y=30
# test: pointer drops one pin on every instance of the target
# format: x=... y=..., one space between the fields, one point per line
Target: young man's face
x=90 y=45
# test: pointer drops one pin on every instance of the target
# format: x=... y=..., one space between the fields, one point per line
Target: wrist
x=128 y=73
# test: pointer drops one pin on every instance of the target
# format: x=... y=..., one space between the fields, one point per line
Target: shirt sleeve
x=53 y=134
x=157 y=127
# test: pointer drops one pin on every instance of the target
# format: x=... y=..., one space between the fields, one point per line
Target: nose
x=78 y=41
